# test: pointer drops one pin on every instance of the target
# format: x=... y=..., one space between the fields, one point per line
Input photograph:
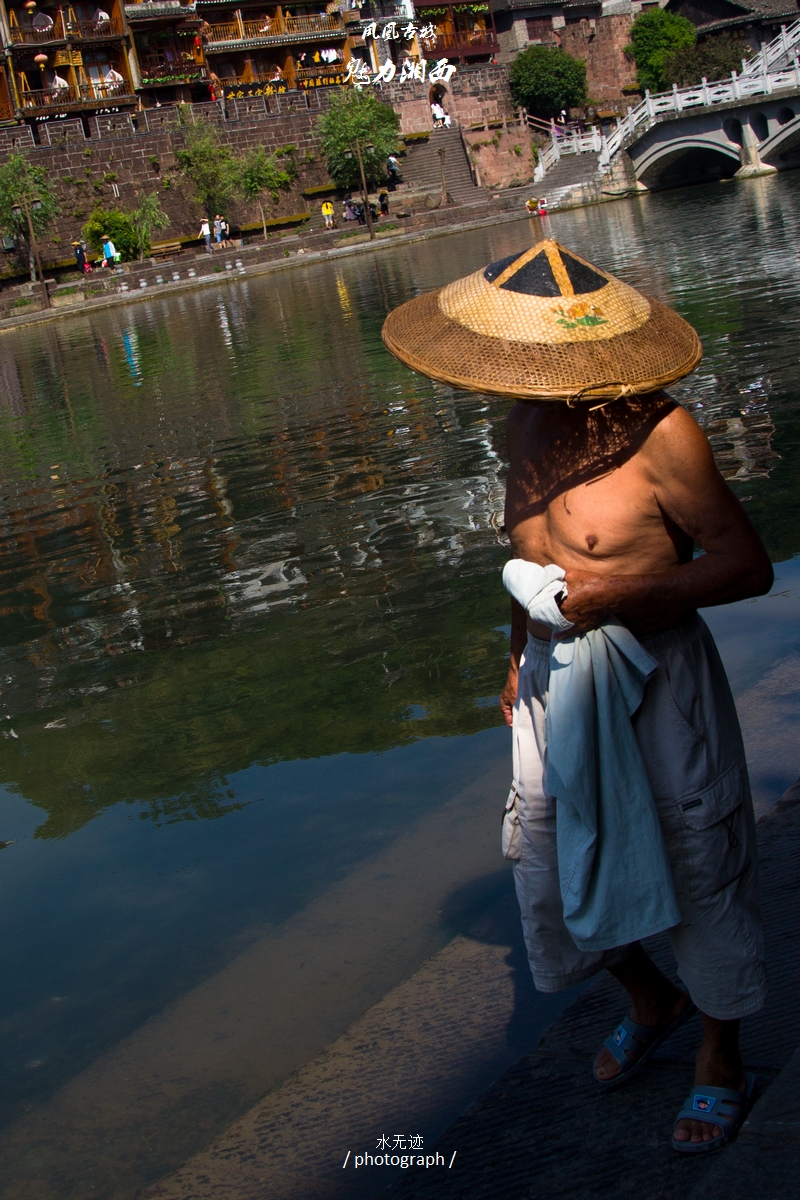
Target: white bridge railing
x=756 y=79
x=556 y=147
x=739 y=87
x=777 y=53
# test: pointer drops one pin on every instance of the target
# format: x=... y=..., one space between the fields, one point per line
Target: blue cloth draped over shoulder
x=616 y=881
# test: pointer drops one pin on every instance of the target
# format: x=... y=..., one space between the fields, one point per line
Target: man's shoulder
x=677 y=444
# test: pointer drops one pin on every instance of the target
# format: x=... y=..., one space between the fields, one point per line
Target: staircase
x=569 y=171
x=422 y=167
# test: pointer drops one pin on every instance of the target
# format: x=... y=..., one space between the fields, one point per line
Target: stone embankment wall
x=503 y=157
x=119 y=162
x=122 y=159
x=475 y=96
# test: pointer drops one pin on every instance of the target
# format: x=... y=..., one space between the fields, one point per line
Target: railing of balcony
x=375 y=10
x=86 y=30
x=266 y=27
x=483 y=42
x=70 y=97
x=27 y=34
x=327 y=24
x=184 y=71
x=61 y=30
x=330 y=73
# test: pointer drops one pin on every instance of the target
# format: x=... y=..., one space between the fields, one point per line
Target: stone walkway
x=544 y=1130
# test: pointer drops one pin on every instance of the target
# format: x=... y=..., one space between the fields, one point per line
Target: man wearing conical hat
x=630 y=810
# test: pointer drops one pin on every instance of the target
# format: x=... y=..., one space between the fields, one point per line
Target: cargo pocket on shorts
x=714 y=834
x=512 y=833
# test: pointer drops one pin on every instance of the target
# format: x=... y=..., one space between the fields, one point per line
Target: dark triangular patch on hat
x=496 y=268
x=582 y=278
x=536 y=278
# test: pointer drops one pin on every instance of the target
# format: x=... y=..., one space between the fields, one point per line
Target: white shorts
x=688 y=732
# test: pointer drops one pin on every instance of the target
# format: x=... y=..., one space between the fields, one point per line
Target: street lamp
x=368 y=148
x=446 y=197
x=17 y=211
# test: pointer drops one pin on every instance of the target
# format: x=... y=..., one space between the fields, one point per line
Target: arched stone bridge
x=749 y=136
x=746 y=125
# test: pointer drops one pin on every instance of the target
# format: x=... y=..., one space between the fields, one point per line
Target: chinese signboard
x=242 y=90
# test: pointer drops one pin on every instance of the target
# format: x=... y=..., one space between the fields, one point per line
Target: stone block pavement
x=544 y=1130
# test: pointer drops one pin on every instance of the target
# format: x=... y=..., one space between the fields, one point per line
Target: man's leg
x=555 y=961
x=656 y=1002
x=688 y=732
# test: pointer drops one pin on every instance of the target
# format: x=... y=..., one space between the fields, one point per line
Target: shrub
x=546 y=80
x=655 y=36
x=211 y=169
x=115 y=224
x=357 y=116
x=712 y=59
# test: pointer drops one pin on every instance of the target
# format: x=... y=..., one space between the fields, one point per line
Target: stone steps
x=422 y=166
x=568 y=171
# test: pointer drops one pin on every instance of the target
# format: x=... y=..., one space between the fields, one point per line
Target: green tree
x=211 y=168
x=265 y=174
x=712 y=59
x=546 y=80
x=656 y=35
x=358 y=117
x=147 y=218
x=24 y=186
x=115 y=224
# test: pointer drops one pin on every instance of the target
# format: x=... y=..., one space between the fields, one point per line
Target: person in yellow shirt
x=327 y=212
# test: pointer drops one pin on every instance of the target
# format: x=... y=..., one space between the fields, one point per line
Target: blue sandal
x=724 y=1107
x=641 y=1040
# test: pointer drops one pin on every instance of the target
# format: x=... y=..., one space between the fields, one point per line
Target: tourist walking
x=226 y=233
x=629 y=812
x=218 y=224
x=327 y=214
x=383 y=201
x=393 y=167
x=83 y=264
x=109 y=252
x=205 y=234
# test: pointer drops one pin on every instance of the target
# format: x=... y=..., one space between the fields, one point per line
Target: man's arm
x=519 y=636
x=691 y=493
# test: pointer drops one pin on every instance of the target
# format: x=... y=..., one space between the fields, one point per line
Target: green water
x=251 y=626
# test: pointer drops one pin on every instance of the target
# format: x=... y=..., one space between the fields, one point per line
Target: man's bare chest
x=614 y=518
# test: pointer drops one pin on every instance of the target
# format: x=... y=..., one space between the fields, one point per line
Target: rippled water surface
x=251 y=627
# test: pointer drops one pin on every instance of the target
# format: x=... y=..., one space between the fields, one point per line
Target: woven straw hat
x=543 y=325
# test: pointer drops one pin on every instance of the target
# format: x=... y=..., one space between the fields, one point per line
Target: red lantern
x=30 y=6
x=41 y=61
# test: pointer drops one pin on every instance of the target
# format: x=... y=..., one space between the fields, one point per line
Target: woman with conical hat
x=630 y=806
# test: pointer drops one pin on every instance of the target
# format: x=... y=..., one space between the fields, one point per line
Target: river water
x=251 y=625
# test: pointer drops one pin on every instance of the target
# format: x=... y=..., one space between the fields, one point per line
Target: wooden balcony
x=92 y=31
x=155 y=72
x=73 y=99
x=465 y=45
x=259 y=85
x=274 y=31
x=151 y=10
x=63 y=29
x=327 y=75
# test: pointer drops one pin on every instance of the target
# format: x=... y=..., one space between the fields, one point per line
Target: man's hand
x=508 y=698
x=586 y=603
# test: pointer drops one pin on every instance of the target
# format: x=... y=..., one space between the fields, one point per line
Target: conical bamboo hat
x=543 y=324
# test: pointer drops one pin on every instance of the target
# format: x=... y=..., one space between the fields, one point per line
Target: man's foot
x=718 y=1066
x=657 y=1013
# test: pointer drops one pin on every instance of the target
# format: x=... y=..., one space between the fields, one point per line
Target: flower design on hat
x=580 y=313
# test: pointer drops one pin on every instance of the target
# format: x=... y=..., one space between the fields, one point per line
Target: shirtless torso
x=618 y=498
